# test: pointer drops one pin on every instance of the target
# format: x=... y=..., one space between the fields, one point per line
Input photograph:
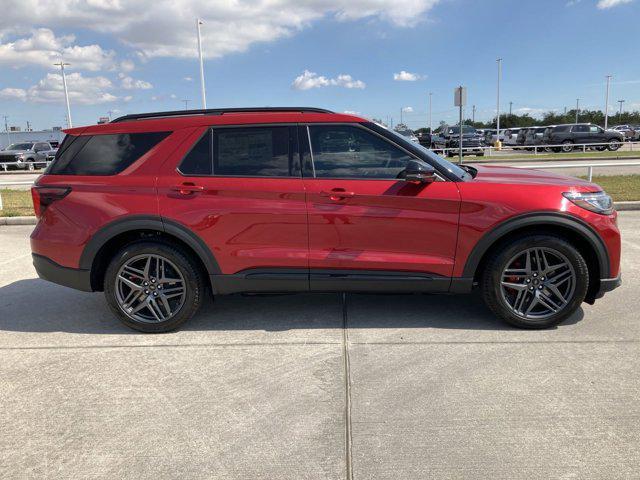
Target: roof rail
x=217 y=111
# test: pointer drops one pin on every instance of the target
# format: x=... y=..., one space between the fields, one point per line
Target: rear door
x=240 y=190
x=363 y=219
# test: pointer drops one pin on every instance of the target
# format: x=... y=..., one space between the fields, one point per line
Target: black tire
x=193 y=281
x=497 y=263
x=614 y=144
x=567 y=146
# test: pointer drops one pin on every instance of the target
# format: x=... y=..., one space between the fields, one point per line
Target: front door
x=364 y=222
x=240 y=190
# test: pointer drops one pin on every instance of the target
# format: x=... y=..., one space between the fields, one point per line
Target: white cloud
x=82 y=90
x=129 y=83
x=161 y=29
x=604 y=4
x=531 y=111
x=309 y=80
x=406 y=76
x=43 y=48
x=127 y=65
x=407 y=109
x=188 y=79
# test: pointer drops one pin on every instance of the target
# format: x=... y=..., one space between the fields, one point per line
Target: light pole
x=473 y=114
x=577 y=108
x=62 y=64
x=510 y=107
x=606 y=104
x=621 y=102
x=401 y=110
x=204 y=95
x=186 y=103
x=6 y=129
x=430 y=118
x=499 y=60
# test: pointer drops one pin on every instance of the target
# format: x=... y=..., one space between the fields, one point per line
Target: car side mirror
x=418 y=172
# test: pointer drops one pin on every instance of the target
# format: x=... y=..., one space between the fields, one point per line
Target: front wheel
x=614 y=144
x=567 y=146
x=153 y=287
x=535 y=281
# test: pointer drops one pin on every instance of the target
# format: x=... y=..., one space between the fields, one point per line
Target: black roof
x=217 y=111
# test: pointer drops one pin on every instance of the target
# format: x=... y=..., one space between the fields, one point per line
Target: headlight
x=598 y=202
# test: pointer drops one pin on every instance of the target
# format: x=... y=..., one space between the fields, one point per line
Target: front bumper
x=608 y=284
x=49 y=270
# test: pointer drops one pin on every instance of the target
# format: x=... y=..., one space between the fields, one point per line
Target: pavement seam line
x=347 y=390
x=171 y=345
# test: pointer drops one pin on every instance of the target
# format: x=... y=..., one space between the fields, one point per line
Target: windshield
x=19 y=146
x=465 y=129
x=436 y=159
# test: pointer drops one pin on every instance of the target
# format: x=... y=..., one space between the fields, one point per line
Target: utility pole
x=430 y=117
x=204 y=95
x=62 y=64
x=28 y=126
x=577 y=108
x=621 y=102
x=499 y=60
x=6 y=129
x=606 y=104
x=186 y=103
x=510 y=107
x=401 y=110
x=473 y=114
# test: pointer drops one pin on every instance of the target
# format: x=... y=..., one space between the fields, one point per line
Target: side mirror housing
x=418 y=172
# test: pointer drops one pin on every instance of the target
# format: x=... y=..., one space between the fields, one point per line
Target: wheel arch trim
x=532 y=219
x=148 y=222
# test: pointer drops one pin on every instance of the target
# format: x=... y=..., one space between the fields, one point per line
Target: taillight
x=45 y=196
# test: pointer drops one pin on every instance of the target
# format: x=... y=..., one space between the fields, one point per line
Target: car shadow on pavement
x=34 y=305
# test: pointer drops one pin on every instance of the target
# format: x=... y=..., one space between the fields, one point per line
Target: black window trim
x=306 y=126
x=294 y=150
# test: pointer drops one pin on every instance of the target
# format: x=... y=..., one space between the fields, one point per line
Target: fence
x=544 y=149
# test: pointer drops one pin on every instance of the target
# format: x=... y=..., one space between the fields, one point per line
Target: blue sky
x=138 y=56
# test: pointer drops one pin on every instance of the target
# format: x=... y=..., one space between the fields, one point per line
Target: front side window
x=580 y=128
x=343 y=151
x=103 y=154
x=595 y=129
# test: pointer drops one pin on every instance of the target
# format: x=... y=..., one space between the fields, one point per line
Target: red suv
x=154 y=209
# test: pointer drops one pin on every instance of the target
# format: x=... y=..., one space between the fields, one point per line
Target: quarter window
x=103 y=154
x=342 y=151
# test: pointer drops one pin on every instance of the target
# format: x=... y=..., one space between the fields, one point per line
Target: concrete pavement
x=256 y=387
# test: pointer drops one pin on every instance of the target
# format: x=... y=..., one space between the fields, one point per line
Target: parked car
x=25 y=156
x=406 y=132
x=157 y=209
x=471 y=144
x=627 y=131
x=491 y=137
x=432 y=141
x=511 y=137
x=534 y=137
x=567 y=136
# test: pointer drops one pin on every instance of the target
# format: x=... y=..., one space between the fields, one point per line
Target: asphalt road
x=268 y=387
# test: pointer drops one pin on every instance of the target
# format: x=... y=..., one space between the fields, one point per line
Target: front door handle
x=187 y=189
x=337 y=194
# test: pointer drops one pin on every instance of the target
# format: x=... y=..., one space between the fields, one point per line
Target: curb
x=18 y=220
x=620 y=207
x=626 y=206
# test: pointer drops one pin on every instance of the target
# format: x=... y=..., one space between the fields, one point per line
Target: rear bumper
x=49 y=270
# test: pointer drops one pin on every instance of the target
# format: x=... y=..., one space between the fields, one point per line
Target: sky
x=377 y=58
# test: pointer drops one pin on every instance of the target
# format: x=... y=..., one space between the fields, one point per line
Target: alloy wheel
x=538 y=283
x=150 y=288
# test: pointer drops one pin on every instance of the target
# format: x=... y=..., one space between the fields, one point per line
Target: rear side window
x=243 y=152
x=103 y=154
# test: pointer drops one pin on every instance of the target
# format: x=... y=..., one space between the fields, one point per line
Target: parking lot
x=316 y=386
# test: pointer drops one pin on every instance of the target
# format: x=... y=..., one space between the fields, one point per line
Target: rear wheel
x=153 y=286
x=536 y=281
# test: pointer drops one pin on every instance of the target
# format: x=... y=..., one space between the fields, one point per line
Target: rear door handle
x=187 y=189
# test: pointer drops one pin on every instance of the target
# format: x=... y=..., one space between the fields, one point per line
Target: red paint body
x=296 y=222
